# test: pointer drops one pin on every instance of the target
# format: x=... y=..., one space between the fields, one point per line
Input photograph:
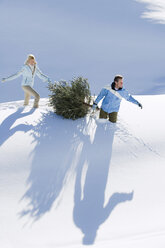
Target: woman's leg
x=27 y=98
x=103 y=114
x=113 y=117
x=29 y=90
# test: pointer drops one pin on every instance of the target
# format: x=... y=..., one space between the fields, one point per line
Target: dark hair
x=117 y=77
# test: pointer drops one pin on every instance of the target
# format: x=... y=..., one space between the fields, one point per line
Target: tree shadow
x=6 y=130
x=89 y=210
x=56 y=142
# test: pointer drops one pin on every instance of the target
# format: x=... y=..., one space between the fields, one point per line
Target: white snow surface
x=67 y=183
x=155 y=10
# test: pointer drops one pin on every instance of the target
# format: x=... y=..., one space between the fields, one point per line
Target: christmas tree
x=70 y=100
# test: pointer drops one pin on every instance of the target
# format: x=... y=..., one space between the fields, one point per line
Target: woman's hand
x=3 y=80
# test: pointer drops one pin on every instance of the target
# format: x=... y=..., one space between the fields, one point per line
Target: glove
x=140 y=105
x=3 y=80
x=94 y=106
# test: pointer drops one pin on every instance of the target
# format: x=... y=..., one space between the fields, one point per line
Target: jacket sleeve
x=43 y=77
x=128 y=97
x=16 y=75
x=102 y=94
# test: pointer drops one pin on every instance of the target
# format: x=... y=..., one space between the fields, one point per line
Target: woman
x=28 y=71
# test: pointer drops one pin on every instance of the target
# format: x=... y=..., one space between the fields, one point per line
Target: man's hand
x=140 y=105
x=94 y=106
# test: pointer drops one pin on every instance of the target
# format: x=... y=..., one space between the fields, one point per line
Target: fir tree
x=70 y=100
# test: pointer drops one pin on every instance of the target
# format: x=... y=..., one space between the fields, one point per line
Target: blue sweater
x=112 y=99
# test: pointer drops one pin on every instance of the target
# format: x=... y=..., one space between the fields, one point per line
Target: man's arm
x=129 y=97
x=102 y=93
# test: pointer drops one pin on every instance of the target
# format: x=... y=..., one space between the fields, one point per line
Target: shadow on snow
x=6 y=130
x=66 y=148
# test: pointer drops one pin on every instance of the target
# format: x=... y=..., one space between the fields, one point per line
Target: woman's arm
x=42 y=76
x=16 y=75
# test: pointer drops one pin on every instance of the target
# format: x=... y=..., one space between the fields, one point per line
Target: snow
x=67 y=183
x=155 y=10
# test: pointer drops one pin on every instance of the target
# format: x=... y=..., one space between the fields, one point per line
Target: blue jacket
x=111 y=102
x=28 y=77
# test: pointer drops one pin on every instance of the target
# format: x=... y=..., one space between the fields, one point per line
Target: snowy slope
x=70 y=183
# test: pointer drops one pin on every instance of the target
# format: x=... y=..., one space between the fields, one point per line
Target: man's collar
x=113 y=87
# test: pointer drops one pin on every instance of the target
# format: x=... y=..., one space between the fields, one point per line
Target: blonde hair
x=29 y=57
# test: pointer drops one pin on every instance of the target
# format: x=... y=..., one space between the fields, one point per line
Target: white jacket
x=28 y=77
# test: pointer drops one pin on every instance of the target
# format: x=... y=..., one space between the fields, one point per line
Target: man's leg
x=103 y=114
x=33 y=93
x=113 y=117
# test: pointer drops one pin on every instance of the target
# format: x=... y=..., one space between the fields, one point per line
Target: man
x=112 y=98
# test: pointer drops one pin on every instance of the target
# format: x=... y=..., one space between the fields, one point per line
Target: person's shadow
x=63 y=148
x=89 y=210
x=6 y=129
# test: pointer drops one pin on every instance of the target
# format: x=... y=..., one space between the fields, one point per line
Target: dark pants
x=112 y=116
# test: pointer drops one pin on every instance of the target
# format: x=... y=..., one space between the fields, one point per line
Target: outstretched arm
x=16 y=75
x=114 y=201
x=130 y=98
x=43 y=77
